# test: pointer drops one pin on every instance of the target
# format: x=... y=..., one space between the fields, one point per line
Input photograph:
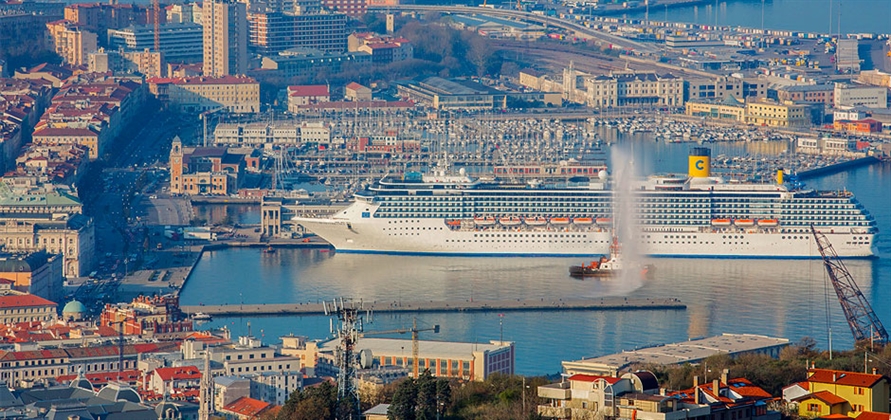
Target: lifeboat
x=744 y=222
x=484 y=221
x=453 y=223
x=768 y=222
x=583 y=220
x=559 y=220
x=721 y=222
x=604 y=220
x=510 y=221
x=536 y=221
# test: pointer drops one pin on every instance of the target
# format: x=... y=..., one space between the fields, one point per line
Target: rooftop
x=428 y=349
x=686 y=351
x=23 y=301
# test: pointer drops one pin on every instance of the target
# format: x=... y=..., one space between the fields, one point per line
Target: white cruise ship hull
x=432 y=237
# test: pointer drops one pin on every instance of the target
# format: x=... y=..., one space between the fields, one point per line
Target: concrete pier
x=594 y=304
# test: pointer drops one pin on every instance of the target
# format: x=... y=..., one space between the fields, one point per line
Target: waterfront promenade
x=595 y=304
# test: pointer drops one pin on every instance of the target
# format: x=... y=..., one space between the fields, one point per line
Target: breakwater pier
x=593 y=304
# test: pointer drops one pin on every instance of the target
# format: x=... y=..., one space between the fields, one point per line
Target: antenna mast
x=347 y=329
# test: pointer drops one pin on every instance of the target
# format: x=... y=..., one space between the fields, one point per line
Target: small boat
x=536 y=221
x=484 y=221
x=583 y=220
x=201 y=316
x=559 y=220
x=510 y=221
x=744 y=222
x=604 y=220
x=768 y=222
x=269 y=250
x=721 y=222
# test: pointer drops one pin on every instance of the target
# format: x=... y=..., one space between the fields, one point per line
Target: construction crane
x=864 y=323
x=156 y=8
x=415 y=346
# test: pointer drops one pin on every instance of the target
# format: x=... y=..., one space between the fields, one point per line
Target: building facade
x=634 y=89
x=237 y=94
x=72 y=235
x=71 y=42
x=37 y=273
x=225 y=38
x=179 y=42
x=858 y=95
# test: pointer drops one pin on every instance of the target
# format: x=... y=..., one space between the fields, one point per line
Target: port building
x=692 y=351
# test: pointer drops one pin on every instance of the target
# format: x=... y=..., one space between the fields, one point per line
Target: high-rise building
x=274 y=32
x=71 y=42
x=179 y=42
x=225 y=37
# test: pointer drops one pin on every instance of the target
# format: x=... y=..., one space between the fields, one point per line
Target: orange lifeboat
x=453 y=223
x=721 y=222
x=484 y=221
x=536 y=221
x=744 y=222
x=604 y=220
x=583 y=220
x=559 y=220
x=510 y=221
x=768 y=222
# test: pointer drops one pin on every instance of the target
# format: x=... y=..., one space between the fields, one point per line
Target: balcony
x=556 y=391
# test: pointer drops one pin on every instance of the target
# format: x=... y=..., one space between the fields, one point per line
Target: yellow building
x=197 y=94
x=841 y=392
x=728 y=109
x=71 y=42
x=775 y=114
x=87 y=136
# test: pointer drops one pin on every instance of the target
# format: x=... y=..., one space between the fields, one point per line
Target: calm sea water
x=785 y=298
x=854 y=16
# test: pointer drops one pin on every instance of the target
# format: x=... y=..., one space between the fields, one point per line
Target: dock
x=515 y=305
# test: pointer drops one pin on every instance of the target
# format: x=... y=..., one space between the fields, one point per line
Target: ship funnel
x=700 y=162
x=780 y=177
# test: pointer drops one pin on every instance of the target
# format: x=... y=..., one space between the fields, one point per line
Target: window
x=813 y=407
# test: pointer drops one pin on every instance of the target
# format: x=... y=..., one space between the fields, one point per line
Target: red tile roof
x=23 y=301
x=247 y=406
x=354 y=86
x=63 y=131
x=593 y=378
x=872 y=415
x=129 y=376
x=178 y=373
x=840 y=377
x=308 y=90
x=825 y=396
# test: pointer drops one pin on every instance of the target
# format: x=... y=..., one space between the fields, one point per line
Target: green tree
x=404 y=402
x=314 y=403
x=426 y=399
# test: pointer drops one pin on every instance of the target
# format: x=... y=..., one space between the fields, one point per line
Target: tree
x=314 y=403
x=426 y=399
x=404 y=402
x=443 y=395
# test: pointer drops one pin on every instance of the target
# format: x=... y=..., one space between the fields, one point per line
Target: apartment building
x=225 y=38
x=71 y=42
x=238 y=94
x=16 y=308
x=274 y=32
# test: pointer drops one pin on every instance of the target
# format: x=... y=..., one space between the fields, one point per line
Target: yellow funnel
x=780 y=177
x=699 y=162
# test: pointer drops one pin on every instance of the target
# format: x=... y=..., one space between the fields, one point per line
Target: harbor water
x=851 y=16
x=785 y=298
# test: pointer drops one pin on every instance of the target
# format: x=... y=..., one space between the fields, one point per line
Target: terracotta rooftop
x=178 y=373
x=246 y=406
x=825 y=396
x=840 y=377
x=23 y=301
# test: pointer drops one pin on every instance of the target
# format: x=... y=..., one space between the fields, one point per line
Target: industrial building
x=454 y=94
x=693 y=351
x=307 y=61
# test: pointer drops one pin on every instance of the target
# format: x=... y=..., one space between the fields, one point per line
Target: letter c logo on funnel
x=699 y=164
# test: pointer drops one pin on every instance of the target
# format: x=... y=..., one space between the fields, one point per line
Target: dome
x=81 y=381
x=119 y=392
x=74 y=307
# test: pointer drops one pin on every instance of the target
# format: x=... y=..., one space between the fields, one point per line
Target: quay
x=838 y=167
x=528 y=305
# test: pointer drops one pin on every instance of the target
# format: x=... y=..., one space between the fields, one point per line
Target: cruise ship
x=692 y=215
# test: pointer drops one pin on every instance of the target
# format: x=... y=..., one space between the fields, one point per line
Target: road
x=602 y=37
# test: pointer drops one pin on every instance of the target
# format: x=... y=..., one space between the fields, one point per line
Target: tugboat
x=606 y=267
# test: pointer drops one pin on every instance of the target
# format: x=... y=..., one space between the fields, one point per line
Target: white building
x=858 y=95
x=279 y=133
x=275 y=387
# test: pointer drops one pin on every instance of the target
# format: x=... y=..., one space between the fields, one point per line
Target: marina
x=541 y=305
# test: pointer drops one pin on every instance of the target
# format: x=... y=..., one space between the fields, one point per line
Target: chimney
x=695 y=381
x=833 y=377
x=662 y=390
x=874 y=371
x=716 y=387
x=724 y=376
x=695 y=395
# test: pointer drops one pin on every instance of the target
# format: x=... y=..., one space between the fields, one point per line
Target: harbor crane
x=415 y=344
x=864 y=323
